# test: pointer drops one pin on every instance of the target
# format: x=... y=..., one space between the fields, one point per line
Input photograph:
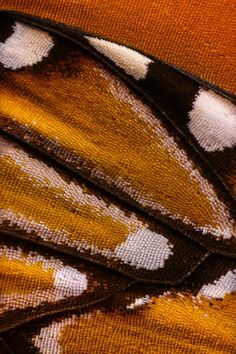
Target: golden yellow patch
x=93 y=222
x=170 y=325
x=21 y=277
x=93 y=115
x=28 y=279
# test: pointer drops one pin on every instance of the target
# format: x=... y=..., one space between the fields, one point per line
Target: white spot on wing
x=213 y=121
x=26 y=46
x=225 y=285
x=48 y=339
x=139 y=302
x=132 y=62
x=70 y=281
x=145 y=249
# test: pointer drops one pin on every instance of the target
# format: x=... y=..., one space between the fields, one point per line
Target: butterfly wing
x=109 y=184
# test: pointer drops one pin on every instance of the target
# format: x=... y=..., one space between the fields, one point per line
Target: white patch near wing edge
x=70 y=282
x=225 y=285
x=25 y=47
x=145 y=249
x=141 y=301
x=213 y=121
x=132 y=62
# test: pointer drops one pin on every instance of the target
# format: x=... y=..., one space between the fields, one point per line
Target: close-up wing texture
x=118 y=177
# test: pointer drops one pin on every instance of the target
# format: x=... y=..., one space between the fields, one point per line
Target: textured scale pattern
x=118 y=175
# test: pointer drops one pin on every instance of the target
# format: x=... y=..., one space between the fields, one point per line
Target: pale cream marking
x=141 y=301
x=132 y=62
x=226 y=284
x=25 y=47
x=212 y=121
x=47 y=341
x=143 y=249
